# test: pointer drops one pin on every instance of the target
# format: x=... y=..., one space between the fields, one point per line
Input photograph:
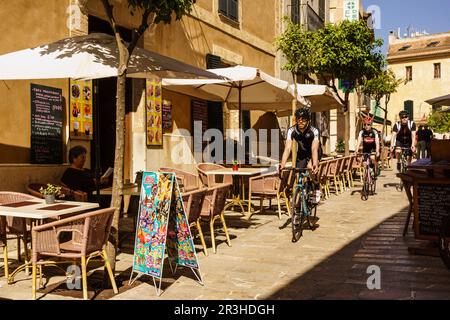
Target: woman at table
x=76 y=177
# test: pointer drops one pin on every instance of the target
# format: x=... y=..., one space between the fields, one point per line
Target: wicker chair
x=333 y=175
x=213 y=208
x=323 y=179
x=210 y=180
x=193 y=203
x=14 y=226
x=69 y=194
x=90 y=232
x=271 y=186
x=189 y=180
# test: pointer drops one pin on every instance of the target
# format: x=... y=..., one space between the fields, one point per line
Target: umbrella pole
x=240 y=115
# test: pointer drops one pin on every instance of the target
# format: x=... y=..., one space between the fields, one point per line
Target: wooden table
x=38 y=210
x=239 y=175
x=432 y=168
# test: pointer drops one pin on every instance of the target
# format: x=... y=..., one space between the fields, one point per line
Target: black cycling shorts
x=400 y=144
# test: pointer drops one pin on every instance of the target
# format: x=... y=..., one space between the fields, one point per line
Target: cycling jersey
x=369 y=140
x=403 y=131
x=304 y=143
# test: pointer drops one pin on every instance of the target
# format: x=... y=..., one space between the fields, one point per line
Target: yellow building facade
x=423 y=62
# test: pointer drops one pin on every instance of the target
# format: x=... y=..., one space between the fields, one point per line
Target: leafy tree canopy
x=162 y=9
x=382 y=85
x=439 y=121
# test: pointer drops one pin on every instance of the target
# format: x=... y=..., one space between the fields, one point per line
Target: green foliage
x=162 y=9
x=340 y=146
x=384 y=84
x=345 y=51
x=298 y=48
x=439 y=121
x=348 y=51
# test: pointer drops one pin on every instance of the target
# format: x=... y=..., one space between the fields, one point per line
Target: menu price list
x=46 y=124
x=434 y=206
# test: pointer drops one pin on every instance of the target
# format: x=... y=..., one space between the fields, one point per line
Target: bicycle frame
x=300 y=187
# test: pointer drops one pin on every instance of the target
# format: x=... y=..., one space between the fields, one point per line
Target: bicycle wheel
x=373 y=186
x=297 y=215
x=444 y=242
x=365 y=190
x=312 y=219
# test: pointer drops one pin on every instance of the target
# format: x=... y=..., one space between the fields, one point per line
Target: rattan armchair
x=193 y=204
x=214 y=208
x=188 y=180
x=18 y=227
x=271 y=186
x=90 y=232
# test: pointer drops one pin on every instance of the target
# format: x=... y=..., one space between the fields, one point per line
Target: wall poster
x=81 y=109
x=154 y=116
x=162 y=225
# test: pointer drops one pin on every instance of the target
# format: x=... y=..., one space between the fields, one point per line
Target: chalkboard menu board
x=432 y=205
x=46 y=125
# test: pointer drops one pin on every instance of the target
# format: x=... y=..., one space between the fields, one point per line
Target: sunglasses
x=404 y=117
x=368 y=124
x=302 y=120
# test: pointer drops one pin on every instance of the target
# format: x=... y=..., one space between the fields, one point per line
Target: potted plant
x=340 y=146
x=235 y=165
x=51 y=192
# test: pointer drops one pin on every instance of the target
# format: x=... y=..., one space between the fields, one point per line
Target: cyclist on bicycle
x=309 y=150
x=404 y=136
x=370 y=140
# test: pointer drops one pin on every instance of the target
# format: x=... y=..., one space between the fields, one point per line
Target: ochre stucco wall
x=25 y=24
x=422 y=87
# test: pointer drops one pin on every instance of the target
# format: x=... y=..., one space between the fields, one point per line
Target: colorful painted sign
x=351 y=10
x=162 y=222
x=180 y=246
x=81 y=109
x=153 y=103
x=167 y=114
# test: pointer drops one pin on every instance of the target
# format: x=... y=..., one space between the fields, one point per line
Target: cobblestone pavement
x=262 y=263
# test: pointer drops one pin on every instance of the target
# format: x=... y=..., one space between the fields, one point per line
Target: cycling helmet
x=303 y=112
x=368 y=120
x=403 y=113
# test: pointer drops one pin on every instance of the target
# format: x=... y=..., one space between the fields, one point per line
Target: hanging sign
x=162 y=224
x=153 y=103
x=351 y=10
x=81 y=109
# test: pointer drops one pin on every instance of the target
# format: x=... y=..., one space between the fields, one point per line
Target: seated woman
x=76 y=177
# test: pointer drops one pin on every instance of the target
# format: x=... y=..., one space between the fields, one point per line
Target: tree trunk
x=347 y=124
x=116 y=199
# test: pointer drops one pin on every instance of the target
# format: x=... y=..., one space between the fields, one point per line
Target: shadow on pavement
x=344 y=275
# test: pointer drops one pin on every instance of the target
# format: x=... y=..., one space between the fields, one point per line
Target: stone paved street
x=263 y=263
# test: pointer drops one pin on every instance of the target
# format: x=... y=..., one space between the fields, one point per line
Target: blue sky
x=433 y=16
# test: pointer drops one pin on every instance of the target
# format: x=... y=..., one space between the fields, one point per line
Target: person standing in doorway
x=428 y=137
x=421 y=143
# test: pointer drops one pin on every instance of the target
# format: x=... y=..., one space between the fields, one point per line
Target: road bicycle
x=369 y=180
x=304 y=204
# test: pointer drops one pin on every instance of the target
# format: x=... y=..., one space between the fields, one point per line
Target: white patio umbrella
x=248 y=88
x=440 y=101
x=90 y=57
x=321 y=97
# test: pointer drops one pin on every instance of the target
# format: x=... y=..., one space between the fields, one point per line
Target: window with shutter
x=230 y=9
